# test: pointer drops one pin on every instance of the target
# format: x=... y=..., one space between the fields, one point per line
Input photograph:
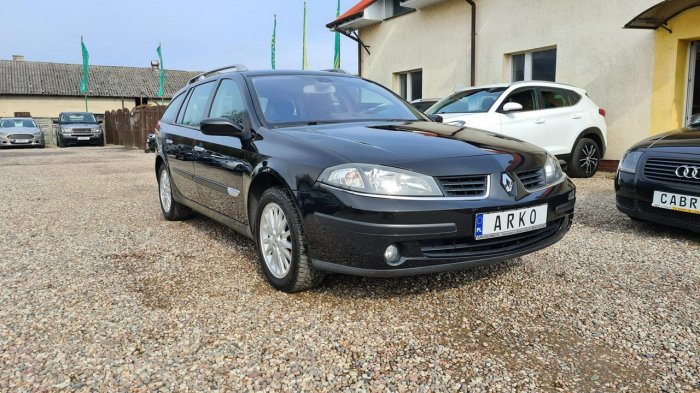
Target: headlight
x=65 y=130
x=38 y=134
x=381 y=180
x=629 y=161
x=3 y=135
x=458 y=123
x=552 y=170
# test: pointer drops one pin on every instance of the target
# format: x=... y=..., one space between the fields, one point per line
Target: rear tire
x=584 y=159
x=171 y=209
x=282 y=251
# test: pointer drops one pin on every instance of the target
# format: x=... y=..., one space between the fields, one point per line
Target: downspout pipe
x=473 y=45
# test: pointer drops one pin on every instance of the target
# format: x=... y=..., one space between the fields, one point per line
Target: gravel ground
x=98 y=292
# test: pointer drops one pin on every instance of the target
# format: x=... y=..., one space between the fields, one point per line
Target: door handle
x=576 y=116
x=199 y=149
x=539 y=121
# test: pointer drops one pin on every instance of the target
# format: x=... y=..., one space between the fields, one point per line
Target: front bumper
x=81 y=139
x=349 y=233
x=635 y=194
x=35 y=141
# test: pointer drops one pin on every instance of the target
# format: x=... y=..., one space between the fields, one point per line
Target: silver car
x=20 y=131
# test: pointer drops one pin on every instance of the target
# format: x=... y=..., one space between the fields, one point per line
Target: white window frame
x=409 y=83
x=527 y=74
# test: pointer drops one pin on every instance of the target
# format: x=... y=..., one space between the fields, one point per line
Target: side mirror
x=436 y=118
x=55 y=121
x=512 y=107
x=220 y=126
x=100 y=121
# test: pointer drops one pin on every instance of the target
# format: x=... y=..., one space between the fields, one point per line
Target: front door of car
x=221 y=167
x=528 y=124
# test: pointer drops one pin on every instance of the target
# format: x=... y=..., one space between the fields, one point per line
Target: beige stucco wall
x=434 y=39
x=52 y=106
x=613 y=64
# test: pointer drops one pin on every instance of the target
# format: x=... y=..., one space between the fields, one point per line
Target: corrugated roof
x=354 y=12
x=56 y=79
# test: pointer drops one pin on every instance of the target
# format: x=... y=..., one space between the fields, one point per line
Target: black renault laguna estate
x=333 y=173
x=659 y=178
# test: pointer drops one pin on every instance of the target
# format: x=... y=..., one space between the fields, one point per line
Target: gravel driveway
x=98 y=292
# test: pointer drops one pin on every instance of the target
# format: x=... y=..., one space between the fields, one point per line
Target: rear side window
x=554 y=98
x=228 y=102
x=526 y=98
x=174 y=107
x=574 y=97
x=194 y=111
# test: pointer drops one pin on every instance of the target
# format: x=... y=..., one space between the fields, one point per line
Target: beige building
x=43 y=90
x=643 y=76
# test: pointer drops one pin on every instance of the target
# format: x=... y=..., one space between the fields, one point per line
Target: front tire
x=281 y=246
x=584 y=159
x=59 y=141
x=171 y=209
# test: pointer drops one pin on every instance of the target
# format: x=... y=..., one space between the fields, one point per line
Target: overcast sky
x=196 y=35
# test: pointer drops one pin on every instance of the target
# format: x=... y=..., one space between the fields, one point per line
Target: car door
x=529 y=124
x=220 y=164
x=563 y=121
x=177 y=143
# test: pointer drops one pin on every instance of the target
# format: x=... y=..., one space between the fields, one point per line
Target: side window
x=554 y=98
x=194 y=111
x=526 y=98
x=574 y=97
x=174 y=107
x=228 y=102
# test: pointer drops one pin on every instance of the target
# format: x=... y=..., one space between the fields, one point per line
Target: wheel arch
x=159 y=161
x=262 y=179
x=593 y=133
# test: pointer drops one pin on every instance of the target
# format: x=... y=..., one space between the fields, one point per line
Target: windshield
x=77 y=118
x=695 y=120
x=287 y=100
x=470 y=101
x=14 y=123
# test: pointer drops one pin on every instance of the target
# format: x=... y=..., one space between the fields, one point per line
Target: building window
x=394 y=8
x=411 y=85
x=538 y=65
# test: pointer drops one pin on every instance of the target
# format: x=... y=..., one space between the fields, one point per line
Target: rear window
x=574 y=97
x=171 y=113
x=194 y=110
x=554 y=98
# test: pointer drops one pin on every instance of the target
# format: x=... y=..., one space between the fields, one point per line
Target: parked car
x=560 y=118
x=20 y=131
x=150 y=143
x=76 y=128
x=658 y=179
x=423 y=104
x=334 y=173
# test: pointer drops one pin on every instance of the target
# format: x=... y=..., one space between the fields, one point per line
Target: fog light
x=391 y=254
x=572 y=195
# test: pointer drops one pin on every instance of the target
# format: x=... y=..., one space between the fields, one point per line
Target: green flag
x=274 y=42
x=305 y=61
x=336 y=58
x=86 y=57
x=162 y=71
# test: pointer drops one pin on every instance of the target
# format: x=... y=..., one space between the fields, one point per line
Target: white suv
x=559 y=118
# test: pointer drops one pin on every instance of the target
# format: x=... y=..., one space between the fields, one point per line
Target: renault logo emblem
x=688 y=172
x=507 y=182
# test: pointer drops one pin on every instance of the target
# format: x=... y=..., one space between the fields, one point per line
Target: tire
x=59 y=141
x=284 y=261
x=584 y=159
x=171 y=209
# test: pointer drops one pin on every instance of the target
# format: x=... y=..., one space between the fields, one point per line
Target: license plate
x=490 y=225
x=677 y=202
x=21 y=140
x=83 y=138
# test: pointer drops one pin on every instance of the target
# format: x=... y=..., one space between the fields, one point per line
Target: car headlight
x=458 y=123
x=552 y=170
x=3 y=135
x=65 y=130
x=380 y=180
x=629 y=161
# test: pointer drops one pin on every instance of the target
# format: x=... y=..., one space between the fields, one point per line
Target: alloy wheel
x=589 y=158
x=165 y=190
x=275 y=240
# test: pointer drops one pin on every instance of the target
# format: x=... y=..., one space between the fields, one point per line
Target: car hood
x=680 y=140
x=20 y=130
x=415 y=145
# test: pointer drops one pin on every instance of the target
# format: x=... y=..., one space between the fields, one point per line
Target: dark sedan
x=333 y=173
x=659 y=179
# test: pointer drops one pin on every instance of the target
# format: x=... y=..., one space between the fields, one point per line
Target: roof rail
x=336 y=70
x=235 y=67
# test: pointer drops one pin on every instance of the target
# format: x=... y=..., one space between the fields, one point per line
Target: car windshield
x=287 y=100
x=14 y=123
x=695 y=120
x=470 y=101
x=78 y=118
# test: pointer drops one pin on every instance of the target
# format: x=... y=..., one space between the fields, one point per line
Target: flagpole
x=336 y=57
x=274 y=43
x=305 y=61
x=84 y=82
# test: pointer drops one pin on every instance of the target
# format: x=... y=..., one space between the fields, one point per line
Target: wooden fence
x=131 y=127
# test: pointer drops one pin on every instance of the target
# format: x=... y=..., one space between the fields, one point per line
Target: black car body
x=20 y=131
x=78 y=128
x=659 y=179
x=226 y=172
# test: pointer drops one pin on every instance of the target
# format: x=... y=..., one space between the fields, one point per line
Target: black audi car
x=659 y=178
x=333 y=173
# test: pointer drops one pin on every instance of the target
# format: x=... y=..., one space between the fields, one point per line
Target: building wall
x=434 y=39
x=40 y=106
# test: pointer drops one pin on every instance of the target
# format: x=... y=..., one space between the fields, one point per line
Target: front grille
x=464 y=186
x=532 y=179
x=470 y=247
x=650 y=210
x=82 y=131
x=20 y=136
x=664 y=169
x=625 y=202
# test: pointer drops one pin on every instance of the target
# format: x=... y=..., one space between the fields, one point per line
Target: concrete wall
x=435 y=39
x=40 y=106
x=613 y=64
